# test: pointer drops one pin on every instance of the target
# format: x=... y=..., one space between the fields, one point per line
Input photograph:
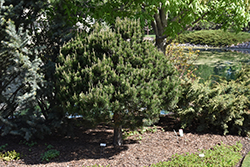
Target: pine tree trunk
x=117 y=140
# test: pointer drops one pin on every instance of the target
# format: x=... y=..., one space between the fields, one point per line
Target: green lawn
x=246 y=161
x=151 y=36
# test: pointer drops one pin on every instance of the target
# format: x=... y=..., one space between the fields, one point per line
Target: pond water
x=212 y=63
x=225 y=70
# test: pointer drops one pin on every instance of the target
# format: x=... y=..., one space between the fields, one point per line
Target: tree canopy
x=171 y=17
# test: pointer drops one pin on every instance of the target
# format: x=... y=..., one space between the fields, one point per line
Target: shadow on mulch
x=84 y=145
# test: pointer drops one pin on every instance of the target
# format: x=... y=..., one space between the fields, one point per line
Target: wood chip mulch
x=139 y=150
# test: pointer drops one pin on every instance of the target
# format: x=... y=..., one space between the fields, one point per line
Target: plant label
x=181 y=132
x=103 y=144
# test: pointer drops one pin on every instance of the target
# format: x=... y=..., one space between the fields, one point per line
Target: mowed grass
x=217 y=156
x=246 y=162
x=150 y=36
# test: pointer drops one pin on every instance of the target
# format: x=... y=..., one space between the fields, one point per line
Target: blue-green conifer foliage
x=20 y=77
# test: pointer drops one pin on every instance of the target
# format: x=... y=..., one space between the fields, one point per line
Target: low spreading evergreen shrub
x=216 y=38
x=222 y=106
x=50 y=154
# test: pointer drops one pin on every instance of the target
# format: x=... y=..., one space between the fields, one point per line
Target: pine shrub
x=114 y=74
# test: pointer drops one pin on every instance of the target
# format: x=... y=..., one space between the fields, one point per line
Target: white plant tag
x=103 y=144
x=181 y=132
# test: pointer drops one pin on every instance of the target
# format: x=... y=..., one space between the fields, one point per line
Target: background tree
x=171 y=17
x=115 y=75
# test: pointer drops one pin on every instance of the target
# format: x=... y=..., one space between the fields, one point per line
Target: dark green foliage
x=222 y=106
x=213 y=37
x=25 y=13
x=50 y=154
x=114 y=74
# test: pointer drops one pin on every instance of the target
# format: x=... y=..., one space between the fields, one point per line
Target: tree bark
x=159 y=24
x=117 y=140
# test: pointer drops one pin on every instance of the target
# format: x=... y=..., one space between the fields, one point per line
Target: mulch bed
x=84 y=148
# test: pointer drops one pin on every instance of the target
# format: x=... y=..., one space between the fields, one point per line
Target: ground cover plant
x=8 y=155
x=50 y=154
x=216 y=38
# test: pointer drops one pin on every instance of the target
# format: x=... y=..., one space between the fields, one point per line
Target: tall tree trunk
x=117 y=140
x=159 y=24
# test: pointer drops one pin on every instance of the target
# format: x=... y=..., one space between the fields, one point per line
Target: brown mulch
x=84 y=148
